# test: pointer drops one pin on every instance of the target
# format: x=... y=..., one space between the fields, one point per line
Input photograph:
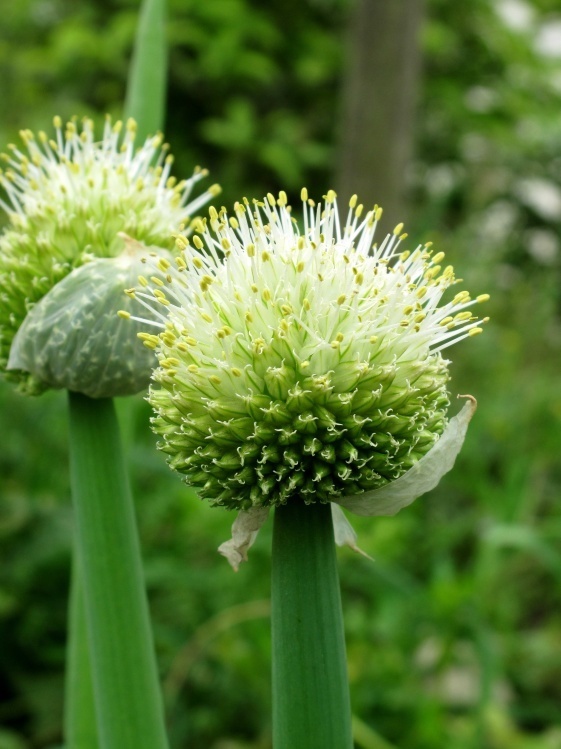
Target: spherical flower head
x=72 y=200
x=300 y=363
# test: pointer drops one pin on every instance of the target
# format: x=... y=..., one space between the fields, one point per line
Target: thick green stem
x=146 y=89
x=80 y=728
x=311 y=705
x=125 y=680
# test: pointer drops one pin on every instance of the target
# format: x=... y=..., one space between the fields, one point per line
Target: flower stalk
x=146 y=90
x=124 y=674
x=80 y=726
x=311 y=704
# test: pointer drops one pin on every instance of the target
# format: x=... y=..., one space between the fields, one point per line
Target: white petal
x=344 y=532
x=244 y=532
x=424 y=475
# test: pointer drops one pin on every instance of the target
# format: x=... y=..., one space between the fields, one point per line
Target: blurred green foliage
x=454 y=633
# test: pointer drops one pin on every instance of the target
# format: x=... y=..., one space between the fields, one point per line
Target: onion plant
x=302 y=370
x=82 y=208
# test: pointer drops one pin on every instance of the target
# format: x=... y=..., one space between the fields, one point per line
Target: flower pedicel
x=81 y=212
x=304 y=365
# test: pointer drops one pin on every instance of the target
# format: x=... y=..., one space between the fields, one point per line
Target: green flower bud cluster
x=71 y=200
x=299 y=364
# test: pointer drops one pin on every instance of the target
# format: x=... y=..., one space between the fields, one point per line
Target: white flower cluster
x=71 y=200
x=299 y=362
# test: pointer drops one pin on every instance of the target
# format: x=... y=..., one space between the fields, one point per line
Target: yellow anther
x=198 y=242
x=378 y=213
x=124 y=314
x=463 y=296
x=306 y=304
x=282 y=199
x=339 y=337
x=475 y=331
x=248 y=316
x=254 y=288
x=157 y=281
x=446 y=321
x=461 y=316
x=483 y=298
x=304 y=194
x=143 y=281
x=236 y=372
x=205 y=282
x=206 y=317
x=438 y=258
x=353 y=201
x=373 y=339
x=149 y=340
x=331 y=196
x=214 y=190
x=250 y=249
x=193 y=368
x=433 y=272
x=265 y=256
x=215 y=379
x=266 y=295
x=359 y=278
x=398 y=229
x=421 y=292
x=271 y=199
x=197 y=262
x=286 y=309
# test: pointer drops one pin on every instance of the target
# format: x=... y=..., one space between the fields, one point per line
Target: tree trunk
x=378 y=104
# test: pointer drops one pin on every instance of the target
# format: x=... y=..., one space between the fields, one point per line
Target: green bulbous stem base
x=124 y=674
x=311 y=703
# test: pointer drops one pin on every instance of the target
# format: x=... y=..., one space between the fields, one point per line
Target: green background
x=454 y=632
